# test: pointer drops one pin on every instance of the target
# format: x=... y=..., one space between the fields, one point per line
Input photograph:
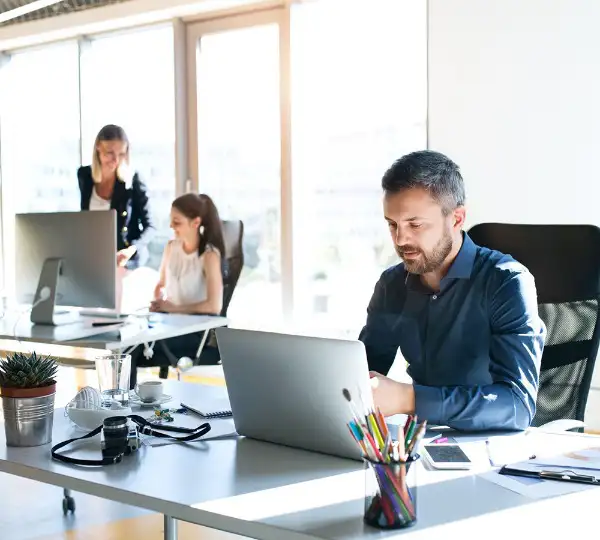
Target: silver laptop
x=288 y=389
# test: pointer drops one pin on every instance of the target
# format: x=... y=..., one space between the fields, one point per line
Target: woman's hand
x=163 y=306
x=124 y=255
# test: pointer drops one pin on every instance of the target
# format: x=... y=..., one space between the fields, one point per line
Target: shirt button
x=124 y=214
x=434 y=297
x=124 y=229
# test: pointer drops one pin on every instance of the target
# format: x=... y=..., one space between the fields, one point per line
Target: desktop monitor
x=65 y=259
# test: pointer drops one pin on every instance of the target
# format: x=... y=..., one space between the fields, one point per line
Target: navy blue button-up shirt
x=473 y=348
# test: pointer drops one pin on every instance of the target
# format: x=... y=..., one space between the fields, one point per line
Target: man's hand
x=392 y=397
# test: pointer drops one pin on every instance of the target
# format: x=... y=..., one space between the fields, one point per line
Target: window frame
x=281 y=17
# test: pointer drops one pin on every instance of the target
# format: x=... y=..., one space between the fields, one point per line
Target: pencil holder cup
x=391 y=495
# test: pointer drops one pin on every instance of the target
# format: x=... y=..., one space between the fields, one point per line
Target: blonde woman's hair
x=111 y=132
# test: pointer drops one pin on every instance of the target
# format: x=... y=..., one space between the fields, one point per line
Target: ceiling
x=60 y=8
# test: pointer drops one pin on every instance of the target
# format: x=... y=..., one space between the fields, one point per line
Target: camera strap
x=144 y=427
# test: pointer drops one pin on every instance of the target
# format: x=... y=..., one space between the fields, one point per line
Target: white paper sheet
x=534 y=488
x=582 y=458
x=555 y=452
x=503 y=450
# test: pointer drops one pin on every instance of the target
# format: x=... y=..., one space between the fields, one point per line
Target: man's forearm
x=492 y=407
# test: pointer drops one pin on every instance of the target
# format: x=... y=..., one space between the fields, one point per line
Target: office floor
x=33 y=511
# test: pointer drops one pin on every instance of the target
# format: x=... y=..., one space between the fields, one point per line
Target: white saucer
x=135 y=399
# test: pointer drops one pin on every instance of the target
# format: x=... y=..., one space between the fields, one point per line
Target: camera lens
x=113 y=423
x=114 y=436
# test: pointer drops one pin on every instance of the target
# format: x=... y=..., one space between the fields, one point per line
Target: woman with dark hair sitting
x=191 y=279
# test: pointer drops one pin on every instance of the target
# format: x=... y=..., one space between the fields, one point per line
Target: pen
x=375 y=431
x=568 y=476
x=411 y=431
x=358 y=437
x=417 y=438
x=374 y=446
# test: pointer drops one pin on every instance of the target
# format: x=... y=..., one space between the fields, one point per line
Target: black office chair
x=565 y=262
x=233 y=236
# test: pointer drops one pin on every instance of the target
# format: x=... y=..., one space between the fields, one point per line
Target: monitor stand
x=44 y=311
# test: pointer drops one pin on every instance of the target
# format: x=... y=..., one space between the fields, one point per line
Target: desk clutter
x=390 y=497
x=121 y=432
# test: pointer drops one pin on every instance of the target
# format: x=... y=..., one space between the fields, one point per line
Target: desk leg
x=170 y=528
x=202 y=343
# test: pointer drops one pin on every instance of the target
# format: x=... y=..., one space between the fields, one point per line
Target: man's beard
x=427 y=262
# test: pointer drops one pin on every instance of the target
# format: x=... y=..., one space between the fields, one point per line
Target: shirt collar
x=461 y=267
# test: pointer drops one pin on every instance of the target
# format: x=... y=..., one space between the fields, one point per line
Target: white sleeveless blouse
x=185 y=281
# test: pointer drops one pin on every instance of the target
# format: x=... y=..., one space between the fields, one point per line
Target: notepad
x=209 y=408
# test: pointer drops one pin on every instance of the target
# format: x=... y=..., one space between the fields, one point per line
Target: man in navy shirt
x=464 y=317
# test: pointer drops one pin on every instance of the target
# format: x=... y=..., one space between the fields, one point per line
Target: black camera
x=119 y=437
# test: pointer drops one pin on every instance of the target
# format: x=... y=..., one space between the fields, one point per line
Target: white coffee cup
x=149 y=390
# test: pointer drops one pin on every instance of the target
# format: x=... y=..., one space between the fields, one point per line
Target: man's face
x=422 y=234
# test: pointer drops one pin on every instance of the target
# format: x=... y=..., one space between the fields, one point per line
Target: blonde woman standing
x=110 y=184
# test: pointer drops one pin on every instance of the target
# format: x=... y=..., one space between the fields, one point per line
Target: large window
x=358 y=94
x=239 y=156
x=39 y=135
x=127 y=79
x=359 y=101
x=39 y=111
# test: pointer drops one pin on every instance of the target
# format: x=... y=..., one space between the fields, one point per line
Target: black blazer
x=133 y=214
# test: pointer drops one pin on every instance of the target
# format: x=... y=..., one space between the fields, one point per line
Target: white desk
x=119 y=336
x=271 y=492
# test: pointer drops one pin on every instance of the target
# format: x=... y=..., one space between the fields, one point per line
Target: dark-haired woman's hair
x=192 y=205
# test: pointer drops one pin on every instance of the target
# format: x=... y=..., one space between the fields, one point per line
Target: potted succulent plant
x=28 y=387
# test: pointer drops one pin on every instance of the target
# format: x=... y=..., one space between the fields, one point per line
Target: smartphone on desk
x=446 y=456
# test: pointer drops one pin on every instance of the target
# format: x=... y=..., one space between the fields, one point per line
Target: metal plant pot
x=28 y=415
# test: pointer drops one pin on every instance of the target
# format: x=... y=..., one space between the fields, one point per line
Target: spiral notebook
x=209 y=408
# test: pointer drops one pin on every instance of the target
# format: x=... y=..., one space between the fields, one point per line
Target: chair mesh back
x=233 y=234
x=565 y=360
x=565 y=262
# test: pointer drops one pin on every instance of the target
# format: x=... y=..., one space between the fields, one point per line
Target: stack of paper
x=556 y=470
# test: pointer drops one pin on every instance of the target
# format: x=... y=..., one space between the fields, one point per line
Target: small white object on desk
x=86 y=412
x=149 y=391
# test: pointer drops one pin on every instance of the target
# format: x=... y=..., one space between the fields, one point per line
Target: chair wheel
x=68 y=505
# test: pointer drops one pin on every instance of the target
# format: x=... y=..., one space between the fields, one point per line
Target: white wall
x=514 y=93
